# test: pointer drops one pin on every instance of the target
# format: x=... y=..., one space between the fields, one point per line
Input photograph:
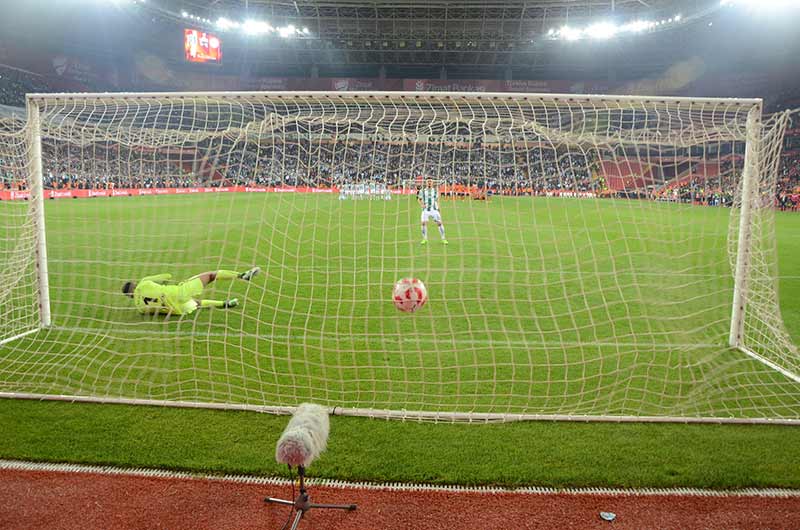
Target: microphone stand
x=303 y=502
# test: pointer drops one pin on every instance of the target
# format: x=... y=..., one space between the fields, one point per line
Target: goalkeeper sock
x=441 y=230
x=212 y=303
x=227 y=275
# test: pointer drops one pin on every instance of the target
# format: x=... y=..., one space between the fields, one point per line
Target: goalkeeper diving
x=157 y=295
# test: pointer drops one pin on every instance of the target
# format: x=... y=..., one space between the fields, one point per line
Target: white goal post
x=625 y=271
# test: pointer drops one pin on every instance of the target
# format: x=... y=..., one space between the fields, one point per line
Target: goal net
x=625 y=266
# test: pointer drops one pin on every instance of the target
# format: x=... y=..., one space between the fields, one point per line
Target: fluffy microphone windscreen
x=306 y=436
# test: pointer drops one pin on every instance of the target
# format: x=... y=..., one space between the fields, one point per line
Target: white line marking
x=411 y=339
x=17 y=465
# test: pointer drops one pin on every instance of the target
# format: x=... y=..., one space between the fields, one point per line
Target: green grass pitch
x=553 y=306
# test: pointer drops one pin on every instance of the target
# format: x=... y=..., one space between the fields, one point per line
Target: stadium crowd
x=393 y=164
x=490 y=169
x=14 y=84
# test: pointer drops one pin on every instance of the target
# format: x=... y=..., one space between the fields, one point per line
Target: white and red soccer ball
x=409 y=294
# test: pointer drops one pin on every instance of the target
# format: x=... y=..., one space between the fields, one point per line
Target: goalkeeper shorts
x=183 y=299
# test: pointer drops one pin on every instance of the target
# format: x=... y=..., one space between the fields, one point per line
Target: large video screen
x=201 y=47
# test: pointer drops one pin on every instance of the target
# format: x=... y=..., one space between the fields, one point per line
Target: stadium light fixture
x=256 y=27
x=225 y=24
x=601 y=30
x=761 y=4
x=570 y=34
x=184 y=14
x=606 y=30
x=636 y=26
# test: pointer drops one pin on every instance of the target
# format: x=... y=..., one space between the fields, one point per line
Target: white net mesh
x=18 y=301
x=589 y=270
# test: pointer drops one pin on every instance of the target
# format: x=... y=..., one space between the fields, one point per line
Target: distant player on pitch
x=153 y=294
x=428 y=198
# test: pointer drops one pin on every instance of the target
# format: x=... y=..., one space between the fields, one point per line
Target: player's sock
x=248 y=275
x=212 y=303
x=441 y=231
x=227 y=275
x=424 y=232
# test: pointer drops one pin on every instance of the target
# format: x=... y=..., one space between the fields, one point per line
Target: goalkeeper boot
x=248 y=275
x=233 y=302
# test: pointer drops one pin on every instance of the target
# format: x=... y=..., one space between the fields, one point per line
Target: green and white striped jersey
x=429 y=198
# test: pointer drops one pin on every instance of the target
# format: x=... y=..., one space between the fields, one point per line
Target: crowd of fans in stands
x=491 y=169
x=14 y=84
x=393 y=164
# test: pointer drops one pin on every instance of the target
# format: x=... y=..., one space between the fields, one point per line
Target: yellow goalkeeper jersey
x=152 y=295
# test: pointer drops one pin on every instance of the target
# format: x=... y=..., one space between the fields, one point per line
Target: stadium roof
x=413 y=34
x=444 y=19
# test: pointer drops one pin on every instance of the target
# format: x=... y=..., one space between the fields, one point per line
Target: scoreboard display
x=201 y=47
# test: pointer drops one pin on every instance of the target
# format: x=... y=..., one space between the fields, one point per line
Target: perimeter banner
x=11 y=195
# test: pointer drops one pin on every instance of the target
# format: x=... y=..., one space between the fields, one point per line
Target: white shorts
x=432 y=214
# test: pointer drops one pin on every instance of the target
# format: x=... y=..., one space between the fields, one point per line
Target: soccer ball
x=409 y=294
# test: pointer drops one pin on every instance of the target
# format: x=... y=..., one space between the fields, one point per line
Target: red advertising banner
x=201 y=47
x=11 y=195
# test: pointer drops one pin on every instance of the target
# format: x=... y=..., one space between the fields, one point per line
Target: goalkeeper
x=155 y=294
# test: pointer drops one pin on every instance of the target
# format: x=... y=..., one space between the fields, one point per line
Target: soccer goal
x=625 y=268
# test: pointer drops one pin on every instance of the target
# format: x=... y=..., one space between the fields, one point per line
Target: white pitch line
x=168 y=334
x=18 y=465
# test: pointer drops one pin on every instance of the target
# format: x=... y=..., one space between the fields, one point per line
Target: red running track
x=61 y=500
